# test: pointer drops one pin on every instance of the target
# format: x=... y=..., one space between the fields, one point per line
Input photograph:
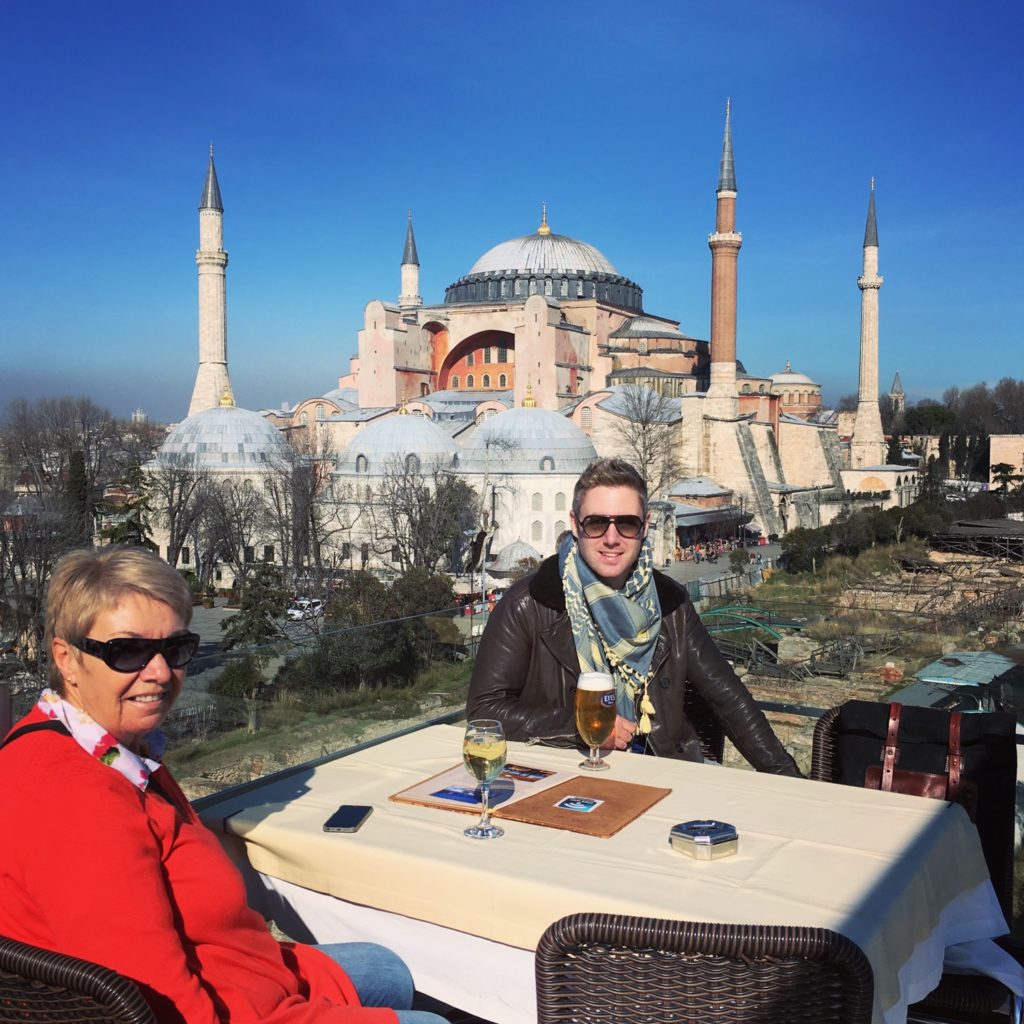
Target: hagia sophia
x=528 y=370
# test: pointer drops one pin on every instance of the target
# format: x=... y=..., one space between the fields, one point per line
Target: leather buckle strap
x=890 y=753
x=954 y=759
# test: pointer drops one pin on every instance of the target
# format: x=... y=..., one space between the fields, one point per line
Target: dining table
x=902 y=877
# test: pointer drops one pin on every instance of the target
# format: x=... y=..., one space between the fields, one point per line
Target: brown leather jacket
x=526 y=670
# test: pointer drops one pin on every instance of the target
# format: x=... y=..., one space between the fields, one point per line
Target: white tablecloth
x=902 y=877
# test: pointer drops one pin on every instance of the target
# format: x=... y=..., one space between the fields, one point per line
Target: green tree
x=257 y=621
x=130 y=518
x=79 y=501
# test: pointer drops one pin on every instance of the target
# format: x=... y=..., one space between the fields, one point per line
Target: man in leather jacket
x=528 y=662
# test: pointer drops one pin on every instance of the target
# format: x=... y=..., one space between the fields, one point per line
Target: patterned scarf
x=615 y=630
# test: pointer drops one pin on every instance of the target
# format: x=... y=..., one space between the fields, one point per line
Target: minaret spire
x=867 y=445
x=727 y=171
x=210 y=199
x=212 y=380
x=871 y=227
x=409 y=255
x=725 y=244
x=410 y=298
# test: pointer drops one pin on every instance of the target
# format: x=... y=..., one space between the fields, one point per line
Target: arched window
x=559 y=528
x=486 y=381
x=455 y=461
x=362 y=466
x=503 y=356
x=502 y=381
x=537 y=502
x=412 y=463
x=560 y=502
x=487 y=354
x=320 y=410
x=643 y=346
x=586 y=418
x=469 y=358
x=760 y=389
x=537 y=530
x=469 y=381
x=745 y=389
x=547 y=464
x=247 y=484
x=304 y=419
x=455 y=383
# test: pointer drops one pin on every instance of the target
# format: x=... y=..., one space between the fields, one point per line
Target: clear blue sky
x=331 y=119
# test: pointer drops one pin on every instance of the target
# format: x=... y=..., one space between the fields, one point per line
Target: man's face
x=611 y=556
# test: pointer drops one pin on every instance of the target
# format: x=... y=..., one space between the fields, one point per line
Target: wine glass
x=595 y=715
x=484 y=750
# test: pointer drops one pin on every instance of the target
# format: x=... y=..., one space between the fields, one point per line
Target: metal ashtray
x=704 y=840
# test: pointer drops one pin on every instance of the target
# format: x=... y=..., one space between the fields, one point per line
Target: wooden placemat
x=614 y=805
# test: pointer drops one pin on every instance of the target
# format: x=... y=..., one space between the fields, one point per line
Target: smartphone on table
x=348 y=818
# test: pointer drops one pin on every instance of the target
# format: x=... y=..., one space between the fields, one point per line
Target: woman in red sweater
x=102 y=856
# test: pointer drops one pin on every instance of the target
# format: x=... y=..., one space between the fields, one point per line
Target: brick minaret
x=410 y=298
x=212 y=380
x=867 y=446
x=725 y=247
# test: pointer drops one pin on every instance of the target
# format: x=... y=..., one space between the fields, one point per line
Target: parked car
x=303 y=608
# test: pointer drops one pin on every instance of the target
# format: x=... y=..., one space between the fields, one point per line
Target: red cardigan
x=94 y=867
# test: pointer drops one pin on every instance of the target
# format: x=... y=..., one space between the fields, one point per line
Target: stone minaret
x=725 y=247
x=212 y=380
x=867 y=446
x=410 y=298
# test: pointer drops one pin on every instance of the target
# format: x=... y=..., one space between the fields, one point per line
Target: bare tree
x=647 y=431
x=233 y=519
x=177 y=494
x=417 y=514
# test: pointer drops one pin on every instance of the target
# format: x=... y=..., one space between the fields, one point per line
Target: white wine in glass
x=595 y=715
x=484 y=750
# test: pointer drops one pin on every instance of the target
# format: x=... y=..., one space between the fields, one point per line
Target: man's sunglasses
x=628 y=527
x=133 y=653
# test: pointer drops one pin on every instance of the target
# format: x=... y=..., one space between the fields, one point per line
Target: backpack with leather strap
x=946 y=785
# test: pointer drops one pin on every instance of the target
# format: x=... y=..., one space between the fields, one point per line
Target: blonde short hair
x=87 y=582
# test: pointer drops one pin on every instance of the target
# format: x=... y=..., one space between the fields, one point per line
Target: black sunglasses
x=628 y=527
x=134 y=653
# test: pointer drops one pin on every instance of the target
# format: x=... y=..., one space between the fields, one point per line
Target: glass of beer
x=595 y=715
x=484 y=750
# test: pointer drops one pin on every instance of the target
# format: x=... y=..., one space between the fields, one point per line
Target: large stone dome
x=393 y=439
x=527 y=441
x=545 y=264
x=552 y=253
x=227 y=438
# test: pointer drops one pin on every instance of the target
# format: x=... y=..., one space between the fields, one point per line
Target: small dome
x=788 y=376
x=647 y=327
x=393 y=439
x=225 y=438
x=510 y=557
x=538 y=252
x=344 y=397
x=527 y=441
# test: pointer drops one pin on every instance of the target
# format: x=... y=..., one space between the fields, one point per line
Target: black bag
x=987 y=782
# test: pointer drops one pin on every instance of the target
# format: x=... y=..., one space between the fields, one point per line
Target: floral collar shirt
x=100 y=744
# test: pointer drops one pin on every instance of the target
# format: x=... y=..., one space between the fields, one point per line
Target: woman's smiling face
x=129 y=705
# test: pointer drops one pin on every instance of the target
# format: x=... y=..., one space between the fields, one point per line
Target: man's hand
x=622 y=736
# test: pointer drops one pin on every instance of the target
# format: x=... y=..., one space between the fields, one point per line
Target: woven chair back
x=619 y=970
x=50 y=988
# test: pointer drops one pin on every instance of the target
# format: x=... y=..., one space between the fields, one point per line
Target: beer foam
x=595 y=681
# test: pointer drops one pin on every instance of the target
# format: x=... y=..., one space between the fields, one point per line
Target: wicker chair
x=49 y=988
x=971 y=999
x=625 y=970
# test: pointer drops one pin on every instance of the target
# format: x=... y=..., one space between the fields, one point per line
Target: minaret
x=212 y=380
x=410 y=298
x=725 y=247
x=867 y=446
x=897 y=398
